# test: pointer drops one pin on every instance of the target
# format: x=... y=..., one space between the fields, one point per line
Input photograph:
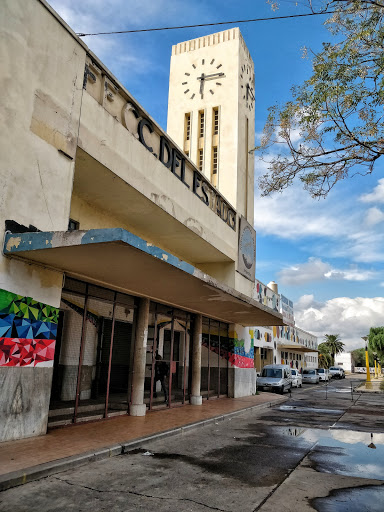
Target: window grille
x=201 y=159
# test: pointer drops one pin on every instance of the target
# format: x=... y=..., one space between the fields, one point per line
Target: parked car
x=275 y=377
x=297 y=379
x=337 y=372
x=311 y=376
x=323 y=374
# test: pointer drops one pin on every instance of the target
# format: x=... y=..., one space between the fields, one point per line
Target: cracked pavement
x=314 y=454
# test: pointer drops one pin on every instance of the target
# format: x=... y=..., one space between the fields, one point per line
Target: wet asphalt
x=322 y=449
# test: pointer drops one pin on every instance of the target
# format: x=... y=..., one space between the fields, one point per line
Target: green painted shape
x=6 y=299
x=27 y=307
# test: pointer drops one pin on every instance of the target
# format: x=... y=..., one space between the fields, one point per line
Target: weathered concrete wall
x=41 y=79
x=241 y=382
x=24 y=402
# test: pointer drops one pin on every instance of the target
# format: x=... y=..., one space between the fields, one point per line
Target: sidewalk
x=374 y=388
x=61 y=449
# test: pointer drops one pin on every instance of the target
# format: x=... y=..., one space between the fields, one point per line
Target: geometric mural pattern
x=28 y=330
x=26 y=352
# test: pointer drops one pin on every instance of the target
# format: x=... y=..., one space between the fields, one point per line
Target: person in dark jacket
x=161 y=374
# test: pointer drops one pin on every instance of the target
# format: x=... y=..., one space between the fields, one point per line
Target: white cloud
x=376 y=196
x=317 y=270
x=340 y=228
x=374 y=216
x=118 y=51
x=351 y=318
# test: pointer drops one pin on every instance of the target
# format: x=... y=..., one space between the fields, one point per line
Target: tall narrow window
x=187 y=133
x=215 y=143
x=187 y=127
x=201 y=159
x=215 y=121
x=214 y=166
x=201 y=124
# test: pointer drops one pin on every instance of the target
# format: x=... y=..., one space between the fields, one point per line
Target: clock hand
x=201 y=78
x=210 y=77
x=214 y=75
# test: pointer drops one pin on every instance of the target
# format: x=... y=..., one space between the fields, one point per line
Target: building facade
x=123 y=244
x=126 y=247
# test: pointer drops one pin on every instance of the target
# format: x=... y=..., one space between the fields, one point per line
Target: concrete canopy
x=297 y=348
x=117 y=259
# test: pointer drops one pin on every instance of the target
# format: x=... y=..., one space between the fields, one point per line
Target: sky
x=326 y=255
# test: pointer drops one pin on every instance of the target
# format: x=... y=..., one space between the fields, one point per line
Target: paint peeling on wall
x=28 y=330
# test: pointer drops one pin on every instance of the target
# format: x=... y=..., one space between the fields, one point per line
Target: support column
x=196 y=398
x=138 y=407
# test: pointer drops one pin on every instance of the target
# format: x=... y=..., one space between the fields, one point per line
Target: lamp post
x=368 y=383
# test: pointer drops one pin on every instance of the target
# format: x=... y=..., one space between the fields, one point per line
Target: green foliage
x=333 y=344
x=325 y=358
x=376 y=341
x=359 y=357
x=333 y=127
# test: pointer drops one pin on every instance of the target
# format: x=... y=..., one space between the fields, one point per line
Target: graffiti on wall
x=243 y=348
x=266 y=296
x=28 y=330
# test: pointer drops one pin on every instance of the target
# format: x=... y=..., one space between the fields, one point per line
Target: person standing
x=161 y=374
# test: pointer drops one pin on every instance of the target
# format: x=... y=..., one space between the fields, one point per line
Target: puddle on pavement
x=342 y=452
x=358 y=499
x=309 y=409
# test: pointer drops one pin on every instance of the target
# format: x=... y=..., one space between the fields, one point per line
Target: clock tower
x=211 y=112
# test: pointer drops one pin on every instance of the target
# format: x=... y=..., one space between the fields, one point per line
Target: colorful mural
x=28 y=330
x=242 y=349
x=266 y=296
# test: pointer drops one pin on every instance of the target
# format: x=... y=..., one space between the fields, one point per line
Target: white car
x=297 y=379
x=323 y=374
x=311 y=376
x=336 y=372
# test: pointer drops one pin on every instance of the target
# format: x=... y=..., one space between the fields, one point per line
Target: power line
x=204 y=24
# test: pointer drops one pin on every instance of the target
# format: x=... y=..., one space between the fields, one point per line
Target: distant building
x=346 y=361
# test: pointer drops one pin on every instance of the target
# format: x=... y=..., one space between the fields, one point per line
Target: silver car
x=275 y=377
x=311 y=376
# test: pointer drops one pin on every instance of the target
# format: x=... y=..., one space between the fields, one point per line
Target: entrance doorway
x=214 y=359
x=93 y=358
x=168 y=370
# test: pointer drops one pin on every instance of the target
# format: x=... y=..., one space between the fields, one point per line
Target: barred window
x=215 y=121
x=187 y=126
x=214 y=161
x=201 y=124
x=201 y=159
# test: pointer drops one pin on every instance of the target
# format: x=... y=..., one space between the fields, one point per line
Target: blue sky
x=327 y=255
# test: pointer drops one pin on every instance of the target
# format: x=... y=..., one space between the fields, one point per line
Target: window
x=201 y=124
x=216 y=121
x=201 y=159
x=214 y=161
x=187 y=127
x=271 y=373
x=73 y=225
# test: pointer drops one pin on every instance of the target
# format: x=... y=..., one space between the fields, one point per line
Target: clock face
x=247 y=86
x=203 y=77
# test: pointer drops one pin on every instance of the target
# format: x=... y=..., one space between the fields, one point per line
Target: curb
x=24 y=476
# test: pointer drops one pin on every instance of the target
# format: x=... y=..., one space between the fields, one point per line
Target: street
x=322 y=449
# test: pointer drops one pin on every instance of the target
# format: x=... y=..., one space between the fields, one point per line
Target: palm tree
x=334 y=344
x=325 y=358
